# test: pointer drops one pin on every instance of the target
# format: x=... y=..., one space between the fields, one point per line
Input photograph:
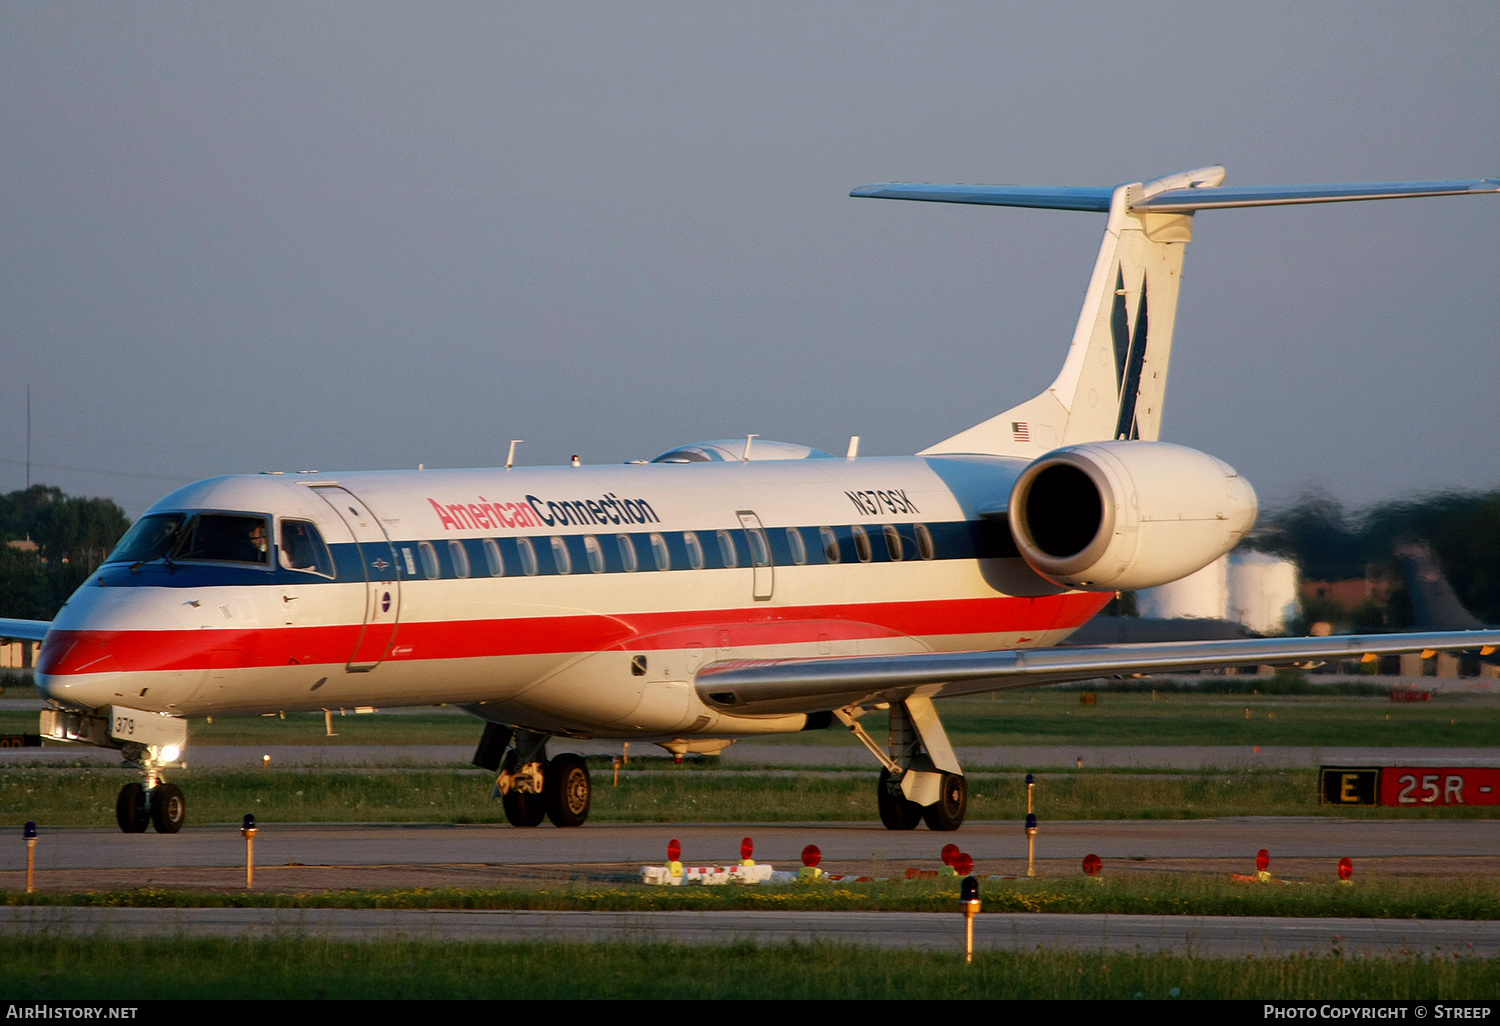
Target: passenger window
x=302 y=548
x=798 y=546
x=528 y=556
x=560 y=557
x=428 y=555
x=493 y=557
x=830 y=544
x=694 y=549
x=727 y=550
x=924 y=542
x=861 y=543
x=627 y=553
x=760 y=549
x=660 y=552
x=595 y=553
x=893 y=543
x=459 y=556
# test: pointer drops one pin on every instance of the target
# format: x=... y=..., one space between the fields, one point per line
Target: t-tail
x=1114 y=379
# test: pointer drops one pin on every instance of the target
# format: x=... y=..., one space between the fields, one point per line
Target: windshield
x=149 y=538
x=180 y=537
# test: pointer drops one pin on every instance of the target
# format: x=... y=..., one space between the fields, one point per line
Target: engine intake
x=1107 y=516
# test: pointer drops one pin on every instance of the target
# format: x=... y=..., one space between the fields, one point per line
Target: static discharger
x=29 y=832
x=247 y=828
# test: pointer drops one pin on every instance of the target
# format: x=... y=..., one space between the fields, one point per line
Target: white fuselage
x=432 y=598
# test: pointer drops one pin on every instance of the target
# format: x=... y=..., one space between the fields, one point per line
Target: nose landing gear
x=153 y=802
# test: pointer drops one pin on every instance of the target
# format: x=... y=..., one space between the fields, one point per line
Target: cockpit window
x=149 y=538
x=302 y=548
x=224 y=538
x=203 y=537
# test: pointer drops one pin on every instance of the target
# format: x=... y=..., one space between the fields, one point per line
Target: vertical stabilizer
x=1115 y=376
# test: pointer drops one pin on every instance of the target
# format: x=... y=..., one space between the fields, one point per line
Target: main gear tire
x=896 y=812
x=566 y=785
x=947 y=813
x=523 y=810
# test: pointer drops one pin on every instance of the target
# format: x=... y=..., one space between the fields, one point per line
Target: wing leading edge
x=814 y=685
x=23 y=630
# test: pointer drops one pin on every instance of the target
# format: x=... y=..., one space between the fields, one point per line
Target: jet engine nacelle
x=1121 y=515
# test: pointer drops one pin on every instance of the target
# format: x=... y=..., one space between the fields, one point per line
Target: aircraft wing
x=23 y=630
x=815 y=685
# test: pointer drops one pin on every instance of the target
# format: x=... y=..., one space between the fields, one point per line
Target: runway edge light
x=969 y=898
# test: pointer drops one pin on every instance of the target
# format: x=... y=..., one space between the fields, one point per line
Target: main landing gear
x=151 y=803
x=530 y=786
x=921 y=780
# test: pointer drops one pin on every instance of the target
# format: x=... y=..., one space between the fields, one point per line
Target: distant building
x=1245 y=587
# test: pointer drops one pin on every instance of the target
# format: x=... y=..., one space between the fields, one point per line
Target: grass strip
x=51 y=968
x=1165 y=714
x=86 y=797
x=1476 y=898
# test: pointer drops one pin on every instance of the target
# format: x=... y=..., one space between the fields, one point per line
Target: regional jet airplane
x=724 y=590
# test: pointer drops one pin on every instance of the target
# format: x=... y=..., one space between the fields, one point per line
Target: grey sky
x=366 y=236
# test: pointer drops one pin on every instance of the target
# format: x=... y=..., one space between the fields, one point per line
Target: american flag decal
x=1021 y=430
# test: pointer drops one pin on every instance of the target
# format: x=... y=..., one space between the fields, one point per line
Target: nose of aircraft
x=78 y=672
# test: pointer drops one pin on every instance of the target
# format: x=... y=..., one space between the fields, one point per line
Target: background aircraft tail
x=1114 y=379
x=1434 y=606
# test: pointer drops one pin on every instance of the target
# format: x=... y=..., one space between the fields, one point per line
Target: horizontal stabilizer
x=1173 y=201
x=810 y=685
x=1044 y=197
x=1186 y=200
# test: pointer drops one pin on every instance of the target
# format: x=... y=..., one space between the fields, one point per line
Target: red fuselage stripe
x=74 y=652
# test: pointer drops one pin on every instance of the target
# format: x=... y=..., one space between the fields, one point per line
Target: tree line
x=1332 y=543
x=71 y=537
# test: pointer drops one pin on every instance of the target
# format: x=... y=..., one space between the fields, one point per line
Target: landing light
x=170 y=753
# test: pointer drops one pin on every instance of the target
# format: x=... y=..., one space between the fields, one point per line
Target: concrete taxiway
x=298 y=857
x=1198 y=935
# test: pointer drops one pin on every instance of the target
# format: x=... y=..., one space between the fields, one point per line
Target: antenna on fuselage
x=510 y=457
x=749 y=440
x=853 y=447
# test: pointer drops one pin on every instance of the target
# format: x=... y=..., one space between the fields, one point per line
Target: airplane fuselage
x=569 y=600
